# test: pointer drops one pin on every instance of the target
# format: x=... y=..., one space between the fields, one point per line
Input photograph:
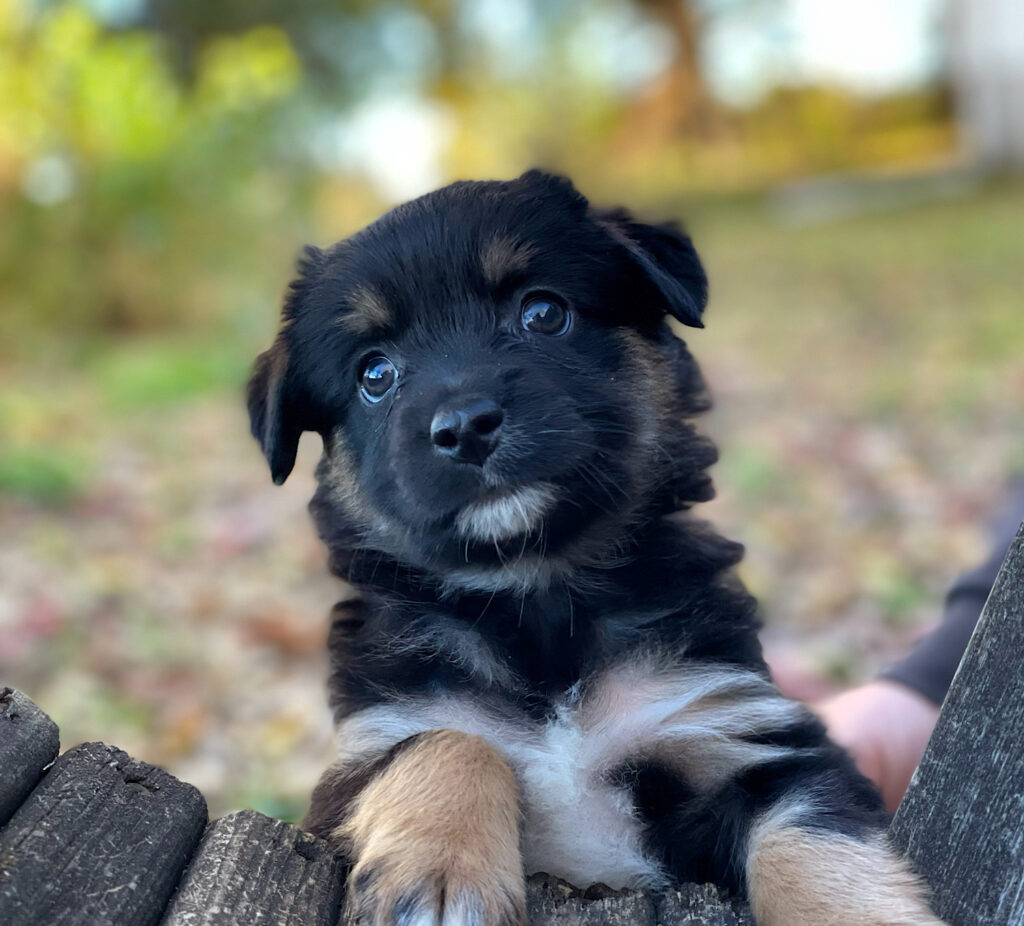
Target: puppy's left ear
x=272 y=412
x=668 y=259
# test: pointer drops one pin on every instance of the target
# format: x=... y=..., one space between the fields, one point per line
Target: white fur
x=786 y=813
x=463 y=910
x=576 y=824
x=523 y=574
x=426 y=918
x=511 y=514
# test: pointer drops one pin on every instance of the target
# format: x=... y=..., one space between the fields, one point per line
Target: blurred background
x=850 y=170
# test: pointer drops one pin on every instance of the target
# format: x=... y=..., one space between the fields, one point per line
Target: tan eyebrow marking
x=367 y=312
x=504 y=255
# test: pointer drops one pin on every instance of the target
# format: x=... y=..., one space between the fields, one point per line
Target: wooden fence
x=98 y=838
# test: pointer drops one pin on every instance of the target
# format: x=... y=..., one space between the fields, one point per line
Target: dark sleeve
x=930 y=666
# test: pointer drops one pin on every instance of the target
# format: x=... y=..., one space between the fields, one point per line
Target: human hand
x=885 y=726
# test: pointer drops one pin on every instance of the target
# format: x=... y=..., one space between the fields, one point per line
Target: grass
x=52 y=418
x=155 y=373
x=37 y=474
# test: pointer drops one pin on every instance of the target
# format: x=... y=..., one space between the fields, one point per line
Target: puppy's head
x=491 y=370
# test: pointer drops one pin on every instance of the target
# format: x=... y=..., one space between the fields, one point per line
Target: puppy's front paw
x=801 y=877
x=403 y=888
x=435 y=837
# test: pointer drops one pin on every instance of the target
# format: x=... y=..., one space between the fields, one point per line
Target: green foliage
x=155 y=372
x=131 y=201
x=161 y=178
x=41 y=473
x=753 y=473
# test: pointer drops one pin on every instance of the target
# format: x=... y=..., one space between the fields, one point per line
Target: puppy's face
x=499 y=394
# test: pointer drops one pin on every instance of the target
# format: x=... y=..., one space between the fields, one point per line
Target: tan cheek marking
x=341 y=477
x=504 y=255
x=367 y=313
x=654 y=382
x=444 y=813
x=796 y=878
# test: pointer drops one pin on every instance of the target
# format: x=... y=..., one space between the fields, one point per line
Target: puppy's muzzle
x=467 y=431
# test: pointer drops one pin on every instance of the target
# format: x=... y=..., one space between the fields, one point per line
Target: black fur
x=616 y=568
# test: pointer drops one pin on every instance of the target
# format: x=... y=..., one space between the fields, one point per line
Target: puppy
x=550 y=665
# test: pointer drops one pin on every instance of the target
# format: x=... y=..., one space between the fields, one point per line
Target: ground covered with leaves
x=159 y=593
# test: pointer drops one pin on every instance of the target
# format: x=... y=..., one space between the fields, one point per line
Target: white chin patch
x=509 y=515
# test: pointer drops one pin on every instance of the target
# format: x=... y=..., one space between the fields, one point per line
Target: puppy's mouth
x=505 y=514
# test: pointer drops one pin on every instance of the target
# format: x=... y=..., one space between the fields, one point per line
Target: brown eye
x=378 y=377
x=545 y=315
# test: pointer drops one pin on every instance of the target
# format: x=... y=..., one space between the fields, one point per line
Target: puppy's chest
x=579 y=821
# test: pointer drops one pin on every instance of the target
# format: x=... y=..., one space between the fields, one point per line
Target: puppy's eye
x=545 y=314
x=378 y=377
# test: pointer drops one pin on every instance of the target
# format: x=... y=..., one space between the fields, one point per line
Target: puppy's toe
x=391 y=892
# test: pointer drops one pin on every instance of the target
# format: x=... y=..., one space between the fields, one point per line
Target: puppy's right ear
x=277 y=412
x=272 y=417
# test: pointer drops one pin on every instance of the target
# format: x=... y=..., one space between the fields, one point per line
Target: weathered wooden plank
x=962 y=820
x=552 y=902
x=101 y=841
x=701 y=905
x=29 y=741
x=252 y=869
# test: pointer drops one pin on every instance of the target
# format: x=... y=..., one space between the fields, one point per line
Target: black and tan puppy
x=550 y=666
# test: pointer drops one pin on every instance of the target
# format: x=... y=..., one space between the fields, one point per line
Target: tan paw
x=436 y=839
x=798 y=877
x=402 y=890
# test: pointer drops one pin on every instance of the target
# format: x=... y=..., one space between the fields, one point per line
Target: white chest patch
x=578 y=825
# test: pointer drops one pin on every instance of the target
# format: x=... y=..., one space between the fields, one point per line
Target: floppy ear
x=667 y=257
x=277 y=413
x=272 y=415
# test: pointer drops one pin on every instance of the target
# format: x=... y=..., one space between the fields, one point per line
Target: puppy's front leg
x=801 y=876
x=435 y=838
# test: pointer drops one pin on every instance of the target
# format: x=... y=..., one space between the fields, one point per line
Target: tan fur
x=440 y=822
x=799 y=878
x=341 y=477
x=503 y=256
x=651 y=380
x=367 y=311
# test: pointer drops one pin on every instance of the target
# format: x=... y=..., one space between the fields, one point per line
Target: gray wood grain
x=29 y=741
x=102 y=840
x=254 y=870
x=551 y=902
x=701 y=905
x=962 y=821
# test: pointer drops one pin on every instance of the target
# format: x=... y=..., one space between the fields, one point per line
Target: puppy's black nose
x=467 y=431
